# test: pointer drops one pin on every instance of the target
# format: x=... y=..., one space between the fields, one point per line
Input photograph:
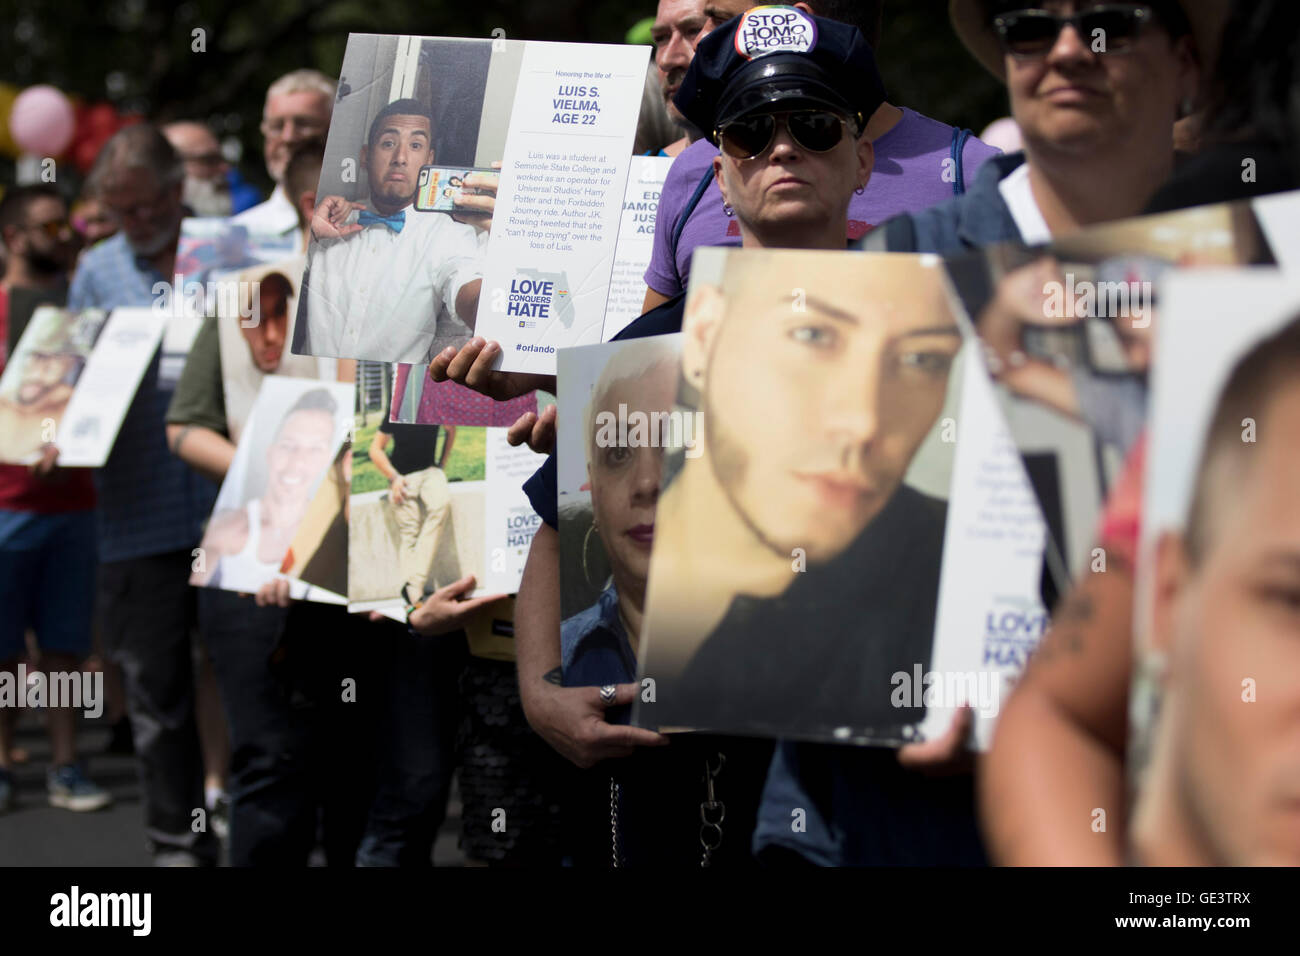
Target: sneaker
x=71 y=789
x=6 y=790
x=219 y=817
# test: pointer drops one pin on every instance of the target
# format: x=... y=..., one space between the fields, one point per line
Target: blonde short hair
x=303 y=81
x=630 y=363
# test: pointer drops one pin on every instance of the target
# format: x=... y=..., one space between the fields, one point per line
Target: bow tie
x=393 y=222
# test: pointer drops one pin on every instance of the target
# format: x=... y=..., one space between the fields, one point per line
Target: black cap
x=773 y=58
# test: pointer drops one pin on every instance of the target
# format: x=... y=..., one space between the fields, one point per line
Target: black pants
x=148 y=611
x=417 y=749
x=300 y=691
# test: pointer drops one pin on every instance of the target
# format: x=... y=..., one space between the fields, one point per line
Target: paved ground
x=35 y=834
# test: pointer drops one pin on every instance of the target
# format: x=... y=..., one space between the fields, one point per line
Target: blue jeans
x=417 y=755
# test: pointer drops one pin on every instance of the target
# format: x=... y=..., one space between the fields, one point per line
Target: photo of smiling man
x=292 y=437
x=381 y=275
x=796 y=564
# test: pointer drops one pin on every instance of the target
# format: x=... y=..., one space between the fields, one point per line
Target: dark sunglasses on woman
x=1031 y=33
x=750 y=136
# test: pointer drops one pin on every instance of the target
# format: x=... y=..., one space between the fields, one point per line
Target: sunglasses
x=54 y=228
x=749 y=136
x=1031 y=33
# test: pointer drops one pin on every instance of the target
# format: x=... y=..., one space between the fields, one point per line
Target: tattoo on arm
x=554 y=676
x=180 y=439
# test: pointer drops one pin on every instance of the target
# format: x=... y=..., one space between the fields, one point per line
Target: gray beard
x=206 y=198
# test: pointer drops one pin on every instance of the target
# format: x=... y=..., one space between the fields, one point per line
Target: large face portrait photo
x=40 y=377
x=1068 y=329
x=292 y=438
x=1213 y=719
x=429 y=216
x=617 y=417
x=797 y=547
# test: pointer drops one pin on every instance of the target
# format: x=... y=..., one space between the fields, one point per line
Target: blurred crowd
x=231 y=704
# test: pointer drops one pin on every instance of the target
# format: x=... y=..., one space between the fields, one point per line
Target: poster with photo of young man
x=1216 y=689
x=798 y=548
x=469 y=187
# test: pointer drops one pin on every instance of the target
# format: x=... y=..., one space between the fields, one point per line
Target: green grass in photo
x=467 y=461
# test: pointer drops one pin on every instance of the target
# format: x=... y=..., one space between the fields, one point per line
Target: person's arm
x=206 y=451
x=653 y=300
x=380 y=457
x=467 y=302
x=1058 y=752
x=396 y=483
x=449 y=439
x=447 y=609
x=570 y=719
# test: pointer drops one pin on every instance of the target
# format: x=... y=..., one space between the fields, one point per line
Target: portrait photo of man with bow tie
x=381 y=275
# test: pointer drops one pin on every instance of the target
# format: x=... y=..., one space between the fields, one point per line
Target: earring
x=860 y=190
x=586 y=572
x=728 y=210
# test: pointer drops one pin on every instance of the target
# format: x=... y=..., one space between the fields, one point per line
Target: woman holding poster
x=791 y=160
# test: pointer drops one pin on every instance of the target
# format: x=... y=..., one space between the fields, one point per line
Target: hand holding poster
x=528 y=145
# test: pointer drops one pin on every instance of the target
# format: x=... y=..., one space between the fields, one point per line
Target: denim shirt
x=594 y=649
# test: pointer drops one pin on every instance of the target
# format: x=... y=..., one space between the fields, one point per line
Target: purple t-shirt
x=908 y=176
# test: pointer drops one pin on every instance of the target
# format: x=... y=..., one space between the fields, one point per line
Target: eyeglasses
x=750 y=136
x=276 y=126
x=1032 y=33
x=141 y=211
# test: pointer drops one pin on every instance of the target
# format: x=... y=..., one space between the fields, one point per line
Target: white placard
x=636 y=240
x=568 y=150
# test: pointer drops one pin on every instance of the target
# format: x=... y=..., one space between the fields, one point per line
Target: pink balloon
x=42 y=121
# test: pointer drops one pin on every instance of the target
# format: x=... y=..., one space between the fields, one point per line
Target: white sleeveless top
x=243 y=571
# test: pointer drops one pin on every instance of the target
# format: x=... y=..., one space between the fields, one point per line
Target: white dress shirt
x=277 y=215
x=378 y=294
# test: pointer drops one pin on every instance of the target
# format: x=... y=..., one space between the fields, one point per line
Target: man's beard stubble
x=730 y=464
